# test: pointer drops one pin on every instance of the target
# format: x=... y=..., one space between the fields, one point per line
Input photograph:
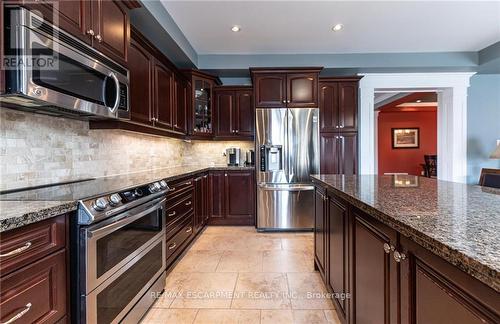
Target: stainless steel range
x=120 y=254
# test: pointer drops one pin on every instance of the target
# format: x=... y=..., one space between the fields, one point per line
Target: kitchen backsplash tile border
x=39 y=149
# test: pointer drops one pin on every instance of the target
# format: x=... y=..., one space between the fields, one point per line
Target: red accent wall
x=405 y=160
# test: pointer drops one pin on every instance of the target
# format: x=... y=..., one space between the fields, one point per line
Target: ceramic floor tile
x=199 y=261
x=309 y=317
x=332 y=317
x=240 y=261
x=164 y=316
x=230 y=230
x=287 y=261
x=261 y=291
x=308 y=291
x=227 y=316
x=276 y=316
x=298 y=243
x=206 y=290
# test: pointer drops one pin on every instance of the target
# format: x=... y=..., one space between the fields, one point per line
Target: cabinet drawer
x=174 y=225
x=180 y=207
x=176 y=243
x=36 y=293
x=179 y=186
x=25 y=245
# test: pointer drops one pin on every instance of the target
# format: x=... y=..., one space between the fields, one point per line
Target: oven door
x=65 y=72
x=118 y=296
x=111 y=244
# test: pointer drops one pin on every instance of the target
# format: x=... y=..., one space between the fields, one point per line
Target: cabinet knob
x=225 y=174
x=387 y=248
x=341 y=126
x=99 y=38
x=236 y=131
x=90 y=32
x=337 y=126
x=284 y=101
x=399 y=256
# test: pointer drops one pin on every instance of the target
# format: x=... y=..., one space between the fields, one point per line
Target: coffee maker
x=250 y=158
x=233 y=156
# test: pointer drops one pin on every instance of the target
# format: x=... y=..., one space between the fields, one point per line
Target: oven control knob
x=163 y=184
x=152 y=188
x=157 y=186
x=138 y=192
x=100 y=204
x=115 y=199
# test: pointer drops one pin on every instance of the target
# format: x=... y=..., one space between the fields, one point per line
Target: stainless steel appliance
x=49 y=71
x=120 y=254
x=233 y=156
x=250 y=158
x=287 y=142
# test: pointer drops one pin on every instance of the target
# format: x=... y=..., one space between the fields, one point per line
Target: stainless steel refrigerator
x=287 y=152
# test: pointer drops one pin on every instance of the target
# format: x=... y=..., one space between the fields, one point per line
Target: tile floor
x=236 y=275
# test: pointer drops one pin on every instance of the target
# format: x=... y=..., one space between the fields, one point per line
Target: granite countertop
x=26 y=207
x=458 y=222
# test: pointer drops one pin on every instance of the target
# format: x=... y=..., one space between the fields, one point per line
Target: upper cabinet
x=103 y=24
x=200 y=116
x=338 y=103
x=292 y=88
x=234 y=112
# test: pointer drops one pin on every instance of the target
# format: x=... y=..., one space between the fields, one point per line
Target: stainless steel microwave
x=49 y=71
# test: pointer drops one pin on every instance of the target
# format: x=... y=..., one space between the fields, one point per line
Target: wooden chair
x=430 y=166
x=490 y=178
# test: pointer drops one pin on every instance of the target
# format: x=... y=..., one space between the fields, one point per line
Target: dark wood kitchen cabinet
x=285 y=87
x=320 y=234
x=338 y=153
x=201 y=199
x=338 y=252
x=201 y=115
x=180 y=104
x=141 y=81
x=34 y=272
x=163 y=95
x=338 y=104
x=103 y=24
x=387 y=277
x=235 y=118
x=233 y=197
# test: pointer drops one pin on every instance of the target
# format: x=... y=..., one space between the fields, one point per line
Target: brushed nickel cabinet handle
x=172 y=246
x=189 y=230
x=188 y=203
x=172 y=188
x=26 y=309
x=188 y=183
x=17 y=251
x=172 y=214
x=399 y=256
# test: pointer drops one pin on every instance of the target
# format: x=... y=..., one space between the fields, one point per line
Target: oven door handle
x=106 y=229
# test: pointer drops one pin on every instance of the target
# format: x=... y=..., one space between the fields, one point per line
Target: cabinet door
x=163 y=95
x=201 y=121
x=373 y=271
x=140 y=76
x=433 y=291
x=240 y=197
x=224 y=105
x=338 y=253
x=112 y=29
x=270 y=90
x=75 y=17
x=302 y=90
x=348 y=106
x=198 y=204
x=206 y=198
x=180 y=106
x=245 y=116
x=329 y=106
x=347 y=153
x=217 y=196
x=319 y=231
x=329 y=161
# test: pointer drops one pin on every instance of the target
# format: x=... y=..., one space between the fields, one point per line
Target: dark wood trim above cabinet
x=294 y=69
x=194 y=72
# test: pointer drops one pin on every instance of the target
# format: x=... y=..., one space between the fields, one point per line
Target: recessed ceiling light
x=337 y=27
x=236 y=28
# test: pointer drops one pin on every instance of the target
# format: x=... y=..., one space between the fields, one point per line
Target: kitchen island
x=408 y=249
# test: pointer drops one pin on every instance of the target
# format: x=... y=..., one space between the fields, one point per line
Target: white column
x=366 y=129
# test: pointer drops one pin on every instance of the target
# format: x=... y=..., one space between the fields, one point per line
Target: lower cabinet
x=388 y=278
x=201 y=199
x=233 y=197
x=338 y=153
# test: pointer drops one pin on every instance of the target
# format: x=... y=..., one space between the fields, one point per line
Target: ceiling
x=400 y=101
x=304 y=27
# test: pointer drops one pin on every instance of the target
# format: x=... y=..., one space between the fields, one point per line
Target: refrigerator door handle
x=268 y=187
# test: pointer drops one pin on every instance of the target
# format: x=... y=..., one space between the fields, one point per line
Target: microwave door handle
x=117 y=83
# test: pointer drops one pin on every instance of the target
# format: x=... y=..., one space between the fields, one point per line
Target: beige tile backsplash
x=37 y=149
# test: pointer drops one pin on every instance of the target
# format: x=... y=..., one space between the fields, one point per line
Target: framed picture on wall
x=405 y=138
